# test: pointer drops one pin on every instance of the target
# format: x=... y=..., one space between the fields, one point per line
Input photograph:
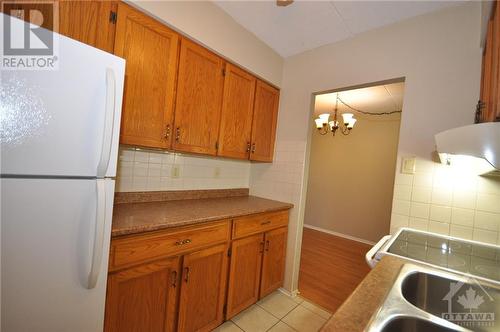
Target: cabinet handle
x=177 y=134
x=186 y=274
x=253 y=148
x=261 y=247
x=248 y=147
x=267 y=222
x=167 y=132
x=174 y=279
x=267 y=245
x=183 y=242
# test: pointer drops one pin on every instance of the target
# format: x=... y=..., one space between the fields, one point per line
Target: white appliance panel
x=51 y=229
x=53 y=121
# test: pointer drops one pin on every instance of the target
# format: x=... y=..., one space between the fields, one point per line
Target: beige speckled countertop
x=356 y=311
x=131 y=218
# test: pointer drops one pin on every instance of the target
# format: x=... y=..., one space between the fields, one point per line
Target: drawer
x=139 y=248
x=259 y=223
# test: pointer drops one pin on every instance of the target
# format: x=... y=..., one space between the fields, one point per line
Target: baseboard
x=292 y=294
x=345 y=236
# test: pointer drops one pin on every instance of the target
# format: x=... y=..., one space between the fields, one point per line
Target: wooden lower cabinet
x=201 y=304
x=273 y=262
x=177 y=279
x=245 y=268
x=143 y=298
x=257 y=268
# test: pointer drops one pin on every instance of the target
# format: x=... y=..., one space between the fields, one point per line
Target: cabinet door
x=89 y=22
x=265 y=117
x=143 y=298
x=199 y=98
x=244 y=273
x=203 y=289
x=150 y=49
x=486 y=80
x=273 y=263
x=86 y=21
x=237 y=113
x=30 y=11
x=495 y=86
x=490 y=83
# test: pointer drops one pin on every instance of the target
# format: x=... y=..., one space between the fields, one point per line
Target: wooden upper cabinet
x=143 y=298
x=201 y=304
x=237 y=113
x=273 y=263
x=264 y=122
x=25 y=10
x=151 y=51
x=90 y=22
x=244 y=273
x=199 y=99
x=490 y=82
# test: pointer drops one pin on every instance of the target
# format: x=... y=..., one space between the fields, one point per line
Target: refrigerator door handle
x=109 y=116
x=100 y=222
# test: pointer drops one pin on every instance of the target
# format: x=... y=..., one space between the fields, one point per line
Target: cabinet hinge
x=229 y=252
x=112 y=17
x=217 y=145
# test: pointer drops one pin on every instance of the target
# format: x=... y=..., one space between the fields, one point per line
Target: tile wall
x=447 y=200
x=149 y=170
x=281 y=180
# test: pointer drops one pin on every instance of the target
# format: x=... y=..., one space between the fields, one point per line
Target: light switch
x=408 y=165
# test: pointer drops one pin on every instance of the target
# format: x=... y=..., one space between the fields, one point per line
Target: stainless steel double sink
x=427 y=299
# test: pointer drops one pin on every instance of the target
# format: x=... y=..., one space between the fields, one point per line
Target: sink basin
x=427 y=299
x=453 y=299
x=412 y=324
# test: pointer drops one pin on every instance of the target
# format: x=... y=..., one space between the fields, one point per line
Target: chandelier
x=324 y=125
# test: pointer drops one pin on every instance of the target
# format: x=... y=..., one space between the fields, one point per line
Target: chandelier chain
x=365 y=112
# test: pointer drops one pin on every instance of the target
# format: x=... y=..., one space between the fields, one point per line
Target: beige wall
x=211 y=26
x=440 y=57
x=351 y=179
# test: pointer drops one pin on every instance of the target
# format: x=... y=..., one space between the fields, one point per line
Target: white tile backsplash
x=446 y=200
x=281 y=180
x=150 y=170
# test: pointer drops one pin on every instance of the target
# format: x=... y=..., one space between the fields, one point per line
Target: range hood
x=477 y=140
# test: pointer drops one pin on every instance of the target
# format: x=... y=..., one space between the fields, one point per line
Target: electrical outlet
x=408 y=165
x=217 y=172
x=176 y=172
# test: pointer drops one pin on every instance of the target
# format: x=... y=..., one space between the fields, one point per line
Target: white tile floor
x=278 y=312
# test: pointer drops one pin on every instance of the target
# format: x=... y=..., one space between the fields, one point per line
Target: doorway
x=350 y=186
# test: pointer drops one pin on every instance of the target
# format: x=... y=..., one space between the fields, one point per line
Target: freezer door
x=55 y=237
x=63 y=122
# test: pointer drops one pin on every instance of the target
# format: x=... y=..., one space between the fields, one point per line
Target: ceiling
x=305 y=25
x=377 y=99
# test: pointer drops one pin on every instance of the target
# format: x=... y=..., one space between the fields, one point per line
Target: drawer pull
x=183 y=242
x=265 y=222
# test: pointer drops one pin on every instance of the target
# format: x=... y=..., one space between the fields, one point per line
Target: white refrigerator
x=59 y=147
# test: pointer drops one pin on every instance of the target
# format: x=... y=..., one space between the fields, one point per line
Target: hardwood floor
x=331 y=268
